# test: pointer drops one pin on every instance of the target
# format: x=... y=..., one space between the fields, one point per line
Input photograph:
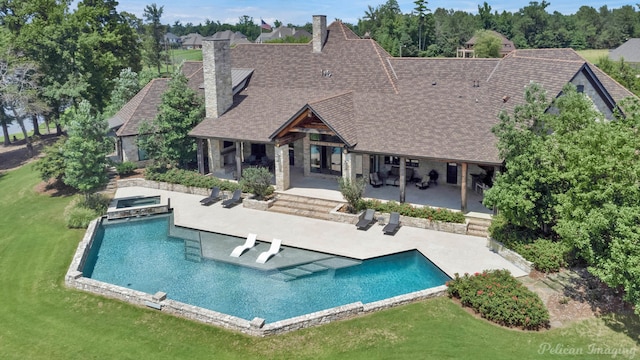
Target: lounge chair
x=374 y=180
x=248 y=244
x=393 y=225
x=215 y=196
x=366 y=219
x=266 y=255
x=424 y=183
x=234 y=199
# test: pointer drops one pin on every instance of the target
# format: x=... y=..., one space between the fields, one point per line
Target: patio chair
x=374 y=180
x=233 y=200
x=248 y=244
x=273 y=249
x=366 y=219
x=393 y=225
x=213 y=197
x=433 y=177
x=424 y=183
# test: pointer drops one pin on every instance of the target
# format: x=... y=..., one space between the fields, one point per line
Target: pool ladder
x=193 y=250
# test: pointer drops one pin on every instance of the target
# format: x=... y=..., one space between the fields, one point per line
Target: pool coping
x=257 y=327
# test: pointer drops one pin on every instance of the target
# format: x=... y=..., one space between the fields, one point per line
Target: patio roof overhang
x=305 y=121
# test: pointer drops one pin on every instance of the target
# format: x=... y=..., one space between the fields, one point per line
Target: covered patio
x=439 y=196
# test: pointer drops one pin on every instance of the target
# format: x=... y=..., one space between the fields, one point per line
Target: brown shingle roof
x=415 y=107
x=143 y=107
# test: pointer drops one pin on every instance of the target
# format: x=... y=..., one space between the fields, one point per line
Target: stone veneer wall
x=454 y=228
x=512 y=256
x=256 y=327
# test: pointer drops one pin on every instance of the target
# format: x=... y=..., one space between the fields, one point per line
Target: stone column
x=238 y=160
x=200 y=156
x=348 y=166
x=463 y=189
x=366 y=166
x=403 y=179
x=282 y=167
x=215 y=158
x=306 y=151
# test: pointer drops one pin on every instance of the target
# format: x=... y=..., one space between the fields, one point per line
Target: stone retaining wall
x=515 y=258
x=164 y=186
x=258 y=204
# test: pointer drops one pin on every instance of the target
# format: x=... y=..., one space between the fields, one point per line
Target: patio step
x=303 y=206
x=478 y=227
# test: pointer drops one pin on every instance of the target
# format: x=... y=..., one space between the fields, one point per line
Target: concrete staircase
x=303 y=206
x=478 y=227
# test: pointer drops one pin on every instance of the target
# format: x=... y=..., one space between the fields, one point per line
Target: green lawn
x=41 y=319
x=42 y=127
x=178 y=55
x=593 y=55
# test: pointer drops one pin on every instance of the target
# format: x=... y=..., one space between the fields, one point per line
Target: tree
x=488 y=45
x=524 y=191
x=126 y=86
x=166 y=139
x=421 y=9
x=155 y=35
x=85 y=153
x=574 y=175
x=19 y=91
x=51 y=165
x=257 y=180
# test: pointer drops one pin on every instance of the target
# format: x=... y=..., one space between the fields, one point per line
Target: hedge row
x=190 y=178
x=425 y=212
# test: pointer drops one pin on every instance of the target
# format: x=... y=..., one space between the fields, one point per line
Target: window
x=226 y=144
x=580 y=88
x=324 y=138
x=394 y=160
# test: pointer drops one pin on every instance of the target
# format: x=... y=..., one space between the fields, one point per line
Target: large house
x=468 y=50
x=341 y=106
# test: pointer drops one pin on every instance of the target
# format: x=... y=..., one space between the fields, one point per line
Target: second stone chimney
x=216 y=67
x=319 y=32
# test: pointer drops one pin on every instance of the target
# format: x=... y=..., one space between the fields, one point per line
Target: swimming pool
x=137 y=201
x=140 y=255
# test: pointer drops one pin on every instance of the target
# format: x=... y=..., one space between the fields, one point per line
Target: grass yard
x=178 y=55
x=41 y=319
x=593 y=56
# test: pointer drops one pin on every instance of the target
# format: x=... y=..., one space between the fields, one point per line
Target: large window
x=326 y=159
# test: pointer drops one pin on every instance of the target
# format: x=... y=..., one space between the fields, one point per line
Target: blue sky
x=299 y=12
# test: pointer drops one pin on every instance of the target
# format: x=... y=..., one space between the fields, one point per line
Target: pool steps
x=192 y=250
x=313 y=267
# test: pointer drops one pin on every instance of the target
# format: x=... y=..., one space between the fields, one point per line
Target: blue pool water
x=140 y=255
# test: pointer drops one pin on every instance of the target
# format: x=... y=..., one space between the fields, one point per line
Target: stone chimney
x=216 y=67
x=319 y=32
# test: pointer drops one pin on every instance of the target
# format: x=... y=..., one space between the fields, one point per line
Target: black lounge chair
x=215 y=196
x=366 y=219
x=233 y=200
x=393 y=225
x=374 y=180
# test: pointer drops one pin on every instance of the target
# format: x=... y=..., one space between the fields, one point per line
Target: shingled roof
x=416 y=107
x=629 y=51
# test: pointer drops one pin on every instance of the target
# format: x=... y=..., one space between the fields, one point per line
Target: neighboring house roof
x=169 y=37
x=282 y=32
x=234 y=37
x=193 y=40
x=507 y=45
x=437 y=108
x=629 y=51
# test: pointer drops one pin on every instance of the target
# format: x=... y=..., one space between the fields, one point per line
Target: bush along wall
x=499 y=297
x=190 y=178
x=425 y=212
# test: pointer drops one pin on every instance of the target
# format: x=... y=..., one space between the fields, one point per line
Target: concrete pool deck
x=452 y=253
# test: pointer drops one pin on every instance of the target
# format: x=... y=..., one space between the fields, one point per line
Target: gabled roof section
x=142 y=107
x=335 y=112
x=629 y=51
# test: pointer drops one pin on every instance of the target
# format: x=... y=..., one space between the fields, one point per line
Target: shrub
x=425 y=212
x=499 y=297
x=188 y=178
x=51 y=165
x=126 y=168
x=352 y=191
x=546 y=255
x=96 y=202
x=257 y=180
x=82 y=210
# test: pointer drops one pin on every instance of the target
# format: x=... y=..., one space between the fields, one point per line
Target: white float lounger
x=274 y=249
x=248 y=244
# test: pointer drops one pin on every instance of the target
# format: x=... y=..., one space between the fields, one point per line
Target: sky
x=299 y=12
